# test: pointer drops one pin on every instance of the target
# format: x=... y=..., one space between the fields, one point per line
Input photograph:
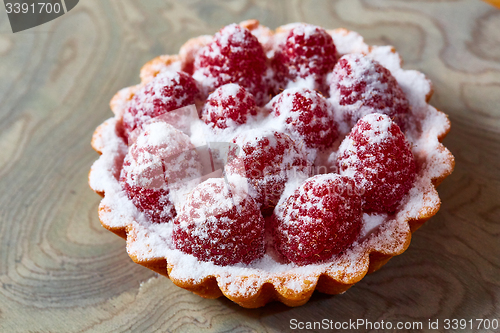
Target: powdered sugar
x=306 y=30
x=379 y=128
x=382 y=233
x=106 y=170
x=348 y=41
x=371 y=222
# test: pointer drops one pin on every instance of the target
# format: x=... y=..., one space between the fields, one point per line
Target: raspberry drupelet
x=166 y=92
x=228 y=107
x=233 y=56
x=378 y=156
x=307 y=115
x=361 y=85
x=320 y=219
x=219 y=225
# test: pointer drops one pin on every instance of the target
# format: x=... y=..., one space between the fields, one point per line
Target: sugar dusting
x=385 y=234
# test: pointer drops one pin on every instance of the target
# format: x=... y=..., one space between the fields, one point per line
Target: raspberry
x=319 y=220
x=228 y=106
x=157 y=166
x=364 y=86
x=307 y=115
x=308 y=51
x=166 y=92
x=267 y=160
x=220 y=226
x=233 y=56
x=378 y=157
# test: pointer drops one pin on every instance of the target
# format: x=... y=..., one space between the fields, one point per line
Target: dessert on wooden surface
x=263 y=165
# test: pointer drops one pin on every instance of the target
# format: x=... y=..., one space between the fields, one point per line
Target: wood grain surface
x=60 y=271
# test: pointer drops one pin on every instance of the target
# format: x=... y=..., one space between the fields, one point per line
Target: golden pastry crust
x=275 y=289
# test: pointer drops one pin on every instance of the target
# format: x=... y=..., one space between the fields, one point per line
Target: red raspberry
x=266 y=160
x=308 y=51
x=220 y=226
x=228 y=106
x=166 y=92
x=378 y=157
x=319 y=220
x=364 y=86
x=307 y=115
x=233 y=56
x=156 y=167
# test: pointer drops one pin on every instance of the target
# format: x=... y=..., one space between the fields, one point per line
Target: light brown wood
x=60 y=271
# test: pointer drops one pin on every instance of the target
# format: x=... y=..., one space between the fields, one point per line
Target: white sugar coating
x=379 y=128
x=348 y=42
x=229 y=90
x=113 y=149
x=308 y=82
x=237 y=35
x=221 y=197
x=161 y=135
x=385 y=56
x=182 y=119
x=206 y=81
x=362 y=67
x=306 y=30
x=371 y=222
x=383 y=234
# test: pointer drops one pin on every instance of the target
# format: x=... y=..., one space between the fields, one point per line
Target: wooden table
x=60 y=271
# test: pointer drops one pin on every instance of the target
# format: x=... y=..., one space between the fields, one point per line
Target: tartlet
x=266 y=274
